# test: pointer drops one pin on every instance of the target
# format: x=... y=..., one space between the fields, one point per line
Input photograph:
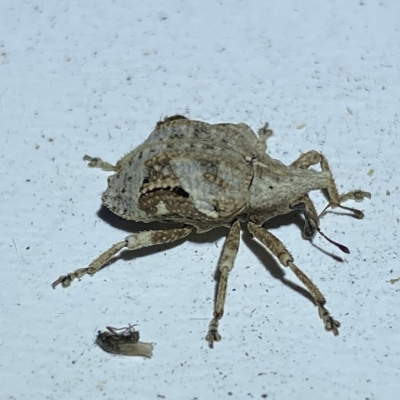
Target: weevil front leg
x=225 y=265
x=133 y=242
x=311 y=219
x=276 y=247
x=312 y=158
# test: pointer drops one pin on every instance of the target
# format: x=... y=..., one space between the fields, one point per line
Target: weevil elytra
x=205 y=176
x=123 y=341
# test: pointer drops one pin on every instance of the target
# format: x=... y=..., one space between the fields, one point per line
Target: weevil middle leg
x=276 y=247
x=225 y=265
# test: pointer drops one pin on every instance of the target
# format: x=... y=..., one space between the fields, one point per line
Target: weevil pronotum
x=205 y=176
x=123 y=341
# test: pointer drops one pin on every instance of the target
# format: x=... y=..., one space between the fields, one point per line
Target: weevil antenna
x=340 y=246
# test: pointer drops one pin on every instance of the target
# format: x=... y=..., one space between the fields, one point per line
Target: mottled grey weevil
x=205 y=176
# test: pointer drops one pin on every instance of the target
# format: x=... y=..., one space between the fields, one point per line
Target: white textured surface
x=93 y=78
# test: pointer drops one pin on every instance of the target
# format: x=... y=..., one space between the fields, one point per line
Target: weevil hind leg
x=314 y=157
x=264 y=134
x=225 y=265
x=276 y=247
x=97 y=162
x=133 y=242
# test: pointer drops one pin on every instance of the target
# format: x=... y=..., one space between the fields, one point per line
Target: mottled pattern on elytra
x=186 y=171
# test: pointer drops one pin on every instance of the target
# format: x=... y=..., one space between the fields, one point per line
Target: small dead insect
x=206 y=176
x=123 y=341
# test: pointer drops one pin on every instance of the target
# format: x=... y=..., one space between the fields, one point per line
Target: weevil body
x=205 y=176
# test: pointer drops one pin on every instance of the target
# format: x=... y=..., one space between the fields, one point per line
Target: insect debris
x=123 y=341
x=205 y=176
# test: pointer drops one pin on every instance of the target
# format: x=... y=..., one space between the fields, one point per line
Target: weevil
x=123 y=341
x=205 y=176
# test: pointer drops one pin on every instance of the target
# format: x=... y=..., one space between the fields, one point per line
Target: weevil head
x=276 y=187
